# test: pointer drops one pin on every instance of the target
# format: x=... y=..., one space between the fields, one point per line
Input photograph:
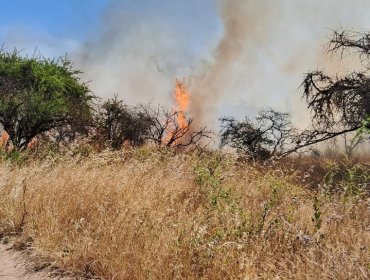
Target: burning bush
x=118 y=123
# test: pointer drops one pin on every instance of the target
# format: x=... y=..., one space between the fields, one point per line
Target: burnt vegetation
x=341 y=104
x=118 y=124
x=166 y=131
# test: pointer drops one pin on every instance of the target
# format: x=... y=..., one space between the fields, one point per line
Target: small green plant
x=82 y=150
x=13 y=156
x=267 y=206
x=316 y=219
x=347 y=178
x=143 y=153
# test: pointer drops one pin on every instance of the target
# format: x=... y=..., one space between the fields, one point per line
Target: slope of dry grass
x=148 y=215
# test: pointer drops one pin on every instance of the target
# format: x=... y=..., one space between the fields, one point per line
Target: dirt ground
x=14 y=266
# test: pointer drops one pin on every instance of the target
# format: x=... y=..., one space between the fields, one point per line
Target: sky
x=28 y=24
x=67 y=18
x=236 y=55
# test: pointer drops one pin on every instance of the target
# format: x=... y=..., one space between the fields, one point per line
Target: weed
x=147 y=214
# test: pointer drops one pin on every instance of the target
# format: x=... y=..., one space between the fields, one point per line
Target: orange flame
x=4 y=139
x=32 y=144
x=182 y=98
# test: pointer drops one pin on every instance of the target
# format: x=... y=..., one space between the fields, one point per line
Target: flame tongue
x=182 y=98
x=180 y=123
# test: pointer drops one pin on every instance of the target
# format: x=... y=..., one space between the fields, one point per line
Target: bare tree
x=352 y=142
x=166 y=130
x=118 y=123
x=267 y=136
x=339 y=104
x=346 y=41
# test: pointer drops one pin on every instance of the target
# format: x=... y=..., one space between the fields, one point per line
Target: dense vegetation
x=43 y=98
x=144 y=214
x=38 y=95
x=129 y=192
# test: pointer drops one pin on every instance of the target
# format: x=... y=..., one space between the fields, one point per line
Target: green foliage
x=347 y=178
x=82 y=150
x=143 y=153
x=208 y=172
x=316 y=219
x=38 y=94
x=267 y=206
x=14 y=157
x=221 y=204
x=365 y=126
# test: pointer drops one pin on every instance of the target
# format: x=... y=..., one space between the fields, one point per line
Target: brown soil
x=15 y=266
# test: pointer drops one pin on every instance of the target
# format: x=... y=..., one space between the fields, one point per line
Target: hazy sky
x=136 y=48
x=46 y=24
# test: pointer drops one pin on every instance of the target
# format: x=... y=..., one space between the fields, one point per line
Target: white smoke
x=239 y=55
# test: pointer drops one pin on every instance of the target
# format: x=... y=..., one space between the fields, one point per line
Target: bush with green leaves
x=38 y=95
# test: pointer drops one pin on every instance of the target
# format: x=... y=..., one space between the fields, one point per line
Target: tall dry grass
x=148 y=215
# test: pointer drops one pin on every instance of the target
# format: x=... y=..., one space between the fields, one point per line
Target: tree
x=38 y=95
x=118 y=123
x=339 y=104
x=351 y=142
x=266 y=136
x=167 y=131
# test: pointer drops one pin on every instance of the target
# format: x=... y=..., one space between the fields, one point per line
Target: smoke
x=245 y=24
x=137 y=54
x=238 y=55
x=266 y=48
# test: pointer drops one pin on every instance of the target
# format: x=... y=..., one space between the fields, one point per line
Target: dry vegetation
x=144 y=214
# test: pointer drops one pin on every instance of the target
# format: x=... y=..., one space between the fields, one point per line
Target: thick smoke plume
x=245 y=24
x=266 y=48
x=137 y=54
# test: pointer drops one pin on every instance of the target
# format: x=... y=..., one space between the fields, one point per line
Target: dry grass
x=149 y=215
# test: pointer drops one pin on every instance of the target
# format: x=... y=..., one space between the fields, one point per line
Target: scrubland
x=147 y=214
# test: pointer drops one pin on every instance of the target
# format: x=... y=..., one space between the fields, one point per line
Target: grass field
x=144 y=214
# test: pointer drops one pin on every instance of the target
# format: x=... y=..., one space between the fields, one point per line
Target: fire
x=4 y=139
x=182 y=98
x=32 y=144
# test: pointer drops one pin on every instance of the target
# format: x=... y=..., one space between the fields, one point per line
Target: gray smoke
x=251 y=54
x=139 y=55
x=266 y=48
